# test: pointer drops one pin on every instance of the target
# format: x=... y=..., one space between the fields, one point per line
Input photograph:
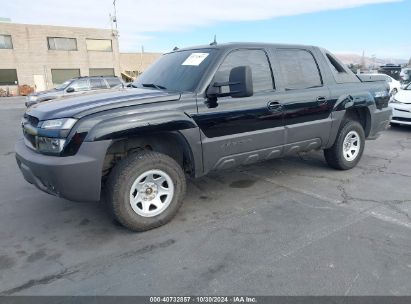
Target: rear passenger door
x=241 y=130
x=304 y=97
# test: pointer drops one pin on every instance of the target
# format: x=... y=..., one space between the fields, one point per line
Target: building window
x=102 y=45
x=59 y=76
x=102 y=72
x=62 y=44
x=5 y=42
x=8 y=77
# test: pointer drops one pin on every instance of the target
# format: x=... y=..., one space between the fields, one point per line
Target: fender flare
x=126 y=125
x=143 y=124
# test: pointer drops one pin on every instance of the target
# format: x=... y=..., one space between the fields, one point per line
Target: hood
x=82 y=105
x=41 y=93
x=403 y=96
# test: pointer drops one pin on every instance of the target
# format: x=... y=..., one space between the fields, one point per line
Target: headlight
x=50 y=145
x=47 y=141
x=58 y=124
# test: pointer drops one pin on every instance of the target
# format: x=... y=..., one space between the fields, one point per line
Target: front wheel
x=145 y=190
x=348 y=146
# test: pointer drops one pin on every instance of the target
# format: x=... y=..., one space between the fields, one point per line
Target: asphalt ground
x=289 y=226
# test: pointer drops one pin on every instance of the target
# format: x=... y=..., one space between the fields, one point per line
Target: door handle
x=321 y=99
x=274 y=106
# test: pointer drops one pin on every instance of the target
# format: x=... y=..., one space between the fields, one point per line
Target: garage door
x=61 y=75
x=102 y=72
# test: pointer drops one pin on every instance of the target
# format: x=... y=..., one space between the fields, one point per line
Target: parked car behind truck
x=194 y=111
x=401 y=107
x=75 y=86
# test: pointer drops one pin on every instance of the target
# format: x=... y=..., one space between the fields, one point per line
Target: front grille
x=31 y=139
x=402 y=110
x=402 y=119
x=29 y=125
x=34 y=121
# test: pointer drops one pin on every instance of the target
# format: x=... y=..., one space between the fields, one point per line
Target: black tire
x=125 y=173
x=334 y=155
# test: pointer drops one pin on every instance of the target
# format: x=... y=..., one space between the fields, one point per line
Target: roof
x=233 y=45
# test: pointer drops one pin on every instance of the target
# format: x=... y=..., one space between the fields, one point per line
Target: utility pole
x=141 y=60
x=363 y=60
x=113 y=20
x=115 y=15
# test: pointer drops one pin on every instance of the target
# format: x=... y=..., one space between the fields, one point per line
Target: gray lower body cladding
x=76 y=178
x=380 y=121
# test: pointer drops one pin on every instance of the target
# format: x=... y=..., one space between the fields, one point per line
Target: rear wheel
x=348 y=146
x=145 y=190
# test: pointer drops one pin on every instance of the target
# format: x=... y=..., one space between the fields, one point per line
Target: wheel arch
x=361 y=114
x=171 y=143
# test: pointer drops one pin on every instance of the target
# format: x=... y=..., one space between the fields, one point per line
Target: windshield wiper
x=153 y=85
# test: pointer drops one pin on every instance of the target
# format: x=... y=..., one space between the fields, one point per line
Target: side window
x=97 y=83
x=298 y=69
x=256 y=60
x=112 y=82
x=80 y=85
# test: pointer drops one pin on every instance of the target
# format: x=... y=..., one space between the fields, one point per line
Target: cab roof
x=234 y=45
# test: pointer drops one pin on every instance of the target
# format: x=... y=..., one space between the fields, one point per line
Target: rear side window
x=336 y=66
x=97 y=83
x=258 y=62
x=340 y=72
x=112 y=82
x=298 y=69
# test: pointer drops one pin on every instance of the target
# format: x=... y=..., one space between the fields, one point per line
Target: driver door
x=242 y=130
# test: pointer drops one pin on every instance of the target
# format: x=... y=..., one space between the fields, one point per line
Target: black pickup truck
x=197 y=110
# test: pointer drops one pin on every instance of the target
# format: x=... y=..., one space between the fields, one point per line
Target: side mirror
x=240 y=83
x=70 y=90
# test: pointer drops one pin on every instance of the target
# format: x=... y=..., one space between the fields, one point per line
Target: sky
x=377 y=27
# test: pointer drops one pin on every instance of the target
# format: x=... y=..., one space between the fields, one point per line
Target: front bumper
x=76 y=178
x=401 y=113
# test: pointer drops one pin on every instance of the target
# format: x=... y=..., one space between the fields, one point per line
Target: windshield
x=408 y=87
x=63 y=85
x=177 y=71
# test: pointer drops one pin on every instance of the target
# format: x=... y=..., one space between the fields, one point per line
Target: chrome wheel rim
x=151 y=193
x=351 y=146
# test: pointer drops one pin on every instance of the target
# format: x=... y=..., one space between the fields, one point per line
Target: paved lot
x=286 y=227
